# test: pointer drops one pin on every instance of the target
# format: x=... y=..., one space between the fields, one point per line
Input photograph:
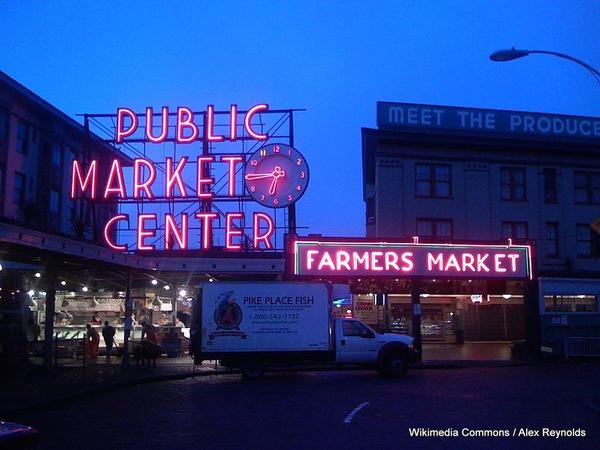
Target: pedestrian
x=108 y=333
x=93 y=341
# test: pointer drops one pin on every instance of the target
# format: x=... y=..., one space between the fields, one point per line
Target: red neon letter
x=121 y=132
x=115 y=171
x=201 y=180
x=231 y=230
x=142 y=233
x=138 y=184
x=310 y=258
x=90 y=178
x=233 y=123
x=108 y=231
x=498 y=262
x=266 y=236
x=185 y=119
x=210 y=125
x=171 y=229
x=206 y=219
x=164 y=123
x=391 y=260
x=407 y=260
x=513 y=261
x=248 y=121
x=174 y=177
x=342 y=258
x=232 y=160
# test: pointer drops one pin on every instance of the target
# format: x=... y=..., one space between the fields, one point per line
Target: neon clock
x=276 y=175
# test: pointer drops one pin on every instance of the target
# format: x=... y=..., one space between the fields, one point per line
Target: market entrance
x=444 y=295
x=474 y=325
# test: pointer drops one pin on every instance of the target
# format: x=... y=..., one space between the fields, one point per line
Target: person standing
x=93 y=341
x=108 y=333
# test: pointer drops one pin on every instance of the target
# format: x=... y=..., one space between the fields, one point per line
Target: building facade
x=449 y=174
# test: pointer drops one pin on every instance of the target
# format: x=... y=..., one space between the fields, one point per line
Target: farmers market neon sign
x=381 y=258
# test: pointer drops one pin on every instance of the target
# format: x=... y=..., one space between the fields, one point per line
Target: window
x=550 y=185
x=354 y=328
x=588 y=241
x=570 y=303
x=22 y=137
x=54 y=199
x=19 y=188
x=435 y=229
x=512 y=184
x=552 y=239
x=3 y=125
x=57 y=154
x=587 y=187
x=433 y=180
x=514 y=230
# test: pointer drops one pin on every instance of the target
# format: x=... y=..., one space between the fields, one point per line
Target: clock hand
x=277 y=173
x=258 y=176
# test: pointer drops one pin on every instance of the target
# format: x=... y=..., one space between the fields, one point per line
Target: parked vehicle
x=249 y=326
x=14 y=436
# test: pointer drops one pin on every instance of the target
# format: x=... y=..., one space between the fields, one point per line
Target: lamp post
x=514 y=53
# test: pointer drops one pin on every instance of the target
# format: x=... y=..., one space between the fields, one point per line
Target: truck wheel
x=395 y=365
x=251 y=370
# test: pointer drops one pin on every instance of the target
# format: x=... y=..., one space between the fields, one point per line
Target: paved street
x=331 y=410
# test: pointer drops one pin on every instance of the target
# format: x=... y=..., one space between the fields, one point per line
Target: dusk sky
x=336 y=59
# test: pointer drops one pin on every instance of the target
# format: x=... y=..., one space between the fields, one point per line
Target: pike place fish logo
x=228 y=316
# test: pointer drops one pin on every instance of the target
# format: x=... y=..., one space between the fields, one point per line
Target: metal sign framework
x=277 y=124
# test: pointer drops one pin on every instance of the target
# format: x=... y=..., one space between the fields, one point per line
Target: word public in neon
x=369 y=258
x=186 y=129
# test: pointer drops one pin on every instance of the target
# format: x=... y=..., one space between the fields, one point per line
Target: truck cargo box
x=265 y=317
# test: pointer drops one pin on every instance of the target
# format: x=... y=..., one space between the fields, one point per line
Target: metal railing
x=582 y=346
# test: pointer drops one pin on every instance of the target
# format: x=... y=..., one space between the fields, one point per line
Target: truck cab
x=357 y=343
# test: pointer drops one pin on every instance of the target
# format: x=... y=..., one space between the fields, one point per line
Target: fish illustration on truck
x=227 y=316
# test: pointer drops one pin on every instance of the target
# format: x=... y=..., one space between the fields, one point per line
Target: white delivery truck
x=251 y=325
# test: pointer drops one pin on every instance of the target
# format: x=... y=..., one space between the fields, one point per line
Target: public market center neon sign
x=158 y=129
x=368 y=258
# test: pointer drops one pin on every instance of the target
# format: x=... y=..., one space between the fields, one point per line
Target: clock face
x=276 y=175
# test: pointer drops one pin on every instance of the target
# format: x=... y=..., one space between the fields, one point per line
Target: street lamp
x=514 y=53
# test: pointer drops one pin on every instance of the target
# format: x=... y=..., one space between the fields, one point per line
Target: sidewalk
x=35 y=389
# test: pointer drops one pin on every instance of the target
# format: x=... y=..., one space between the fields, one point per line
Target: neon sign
x=145 y=180
x=359 y=258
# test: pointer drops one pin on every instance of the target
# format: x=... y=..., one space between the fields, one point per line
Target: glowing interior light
x=63 y=283
x=166 y=287
x=182 y=293
x=424 y=295
x=31 y=293
x=84 y=289
x=506 y=296
x=154 y=282
x=38 y=274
